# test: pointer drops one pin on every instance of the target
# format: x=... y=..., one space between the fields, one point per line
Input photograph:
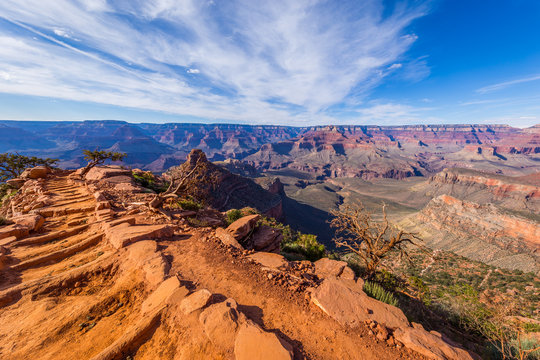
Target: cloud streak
x=503 y=85
x=262 y=62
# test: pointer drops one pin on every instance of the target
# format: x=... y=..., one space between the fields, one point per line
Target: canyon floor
x=100 y=283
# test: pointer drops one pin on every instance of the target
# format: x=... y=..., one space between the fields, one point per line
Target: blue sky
x=301 y=62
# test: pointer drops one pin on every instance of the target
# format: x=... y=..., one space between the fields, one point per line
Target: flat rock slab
x=145 y=255
x=122 y=235
x=348 y=304
x=103 y=172
x=221 y=323
x=325 y=268
x=270 y=260
x=198 y=300
x=430 y=345
x=253 y=343
x=161 y=295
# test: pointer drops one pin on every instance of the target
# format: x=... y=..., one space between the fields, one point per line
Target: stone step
x=56 y=235
x=60 y=254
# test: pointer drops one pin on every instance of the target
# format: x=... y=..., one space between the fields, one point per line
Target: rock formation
x=223 y=190
x=479 y=232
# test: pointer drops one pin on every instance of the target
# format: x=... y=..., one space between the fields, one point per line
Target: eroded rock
x=38 y=172
x=266 y=238
x=198 y=300
x=253 y=343
x=346 y=302
x=221 y=322
x=33 y=222
x=429 y=344
x=270 y=260
x=243 y=226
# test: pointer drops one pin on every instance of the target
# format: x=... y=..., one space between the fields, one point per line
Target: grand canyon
x=269 y=180
x=88 y=256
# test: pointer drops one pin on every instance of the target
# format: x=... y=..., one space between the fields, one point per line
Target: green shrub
x=233 y=215
x=6 y=192
x=306 y=245
x=149 y=181
x=3 y=221
x=197 y=223
x=186 y=204
x=376 y=291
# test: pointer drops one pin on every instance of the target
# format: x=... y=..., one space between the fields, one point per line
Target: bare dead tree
x=369 y=239
x=172 y=191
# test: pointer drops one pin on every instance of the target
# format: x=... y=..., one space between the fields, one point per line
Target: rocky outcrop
x=479 y=232
x=38 y=172
x=483 y=188
x=221 y=189
x=346 y=302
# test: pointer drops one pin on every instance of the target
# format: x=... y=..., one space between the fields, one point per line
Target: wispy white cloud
x=245 y=52
x=502 y=85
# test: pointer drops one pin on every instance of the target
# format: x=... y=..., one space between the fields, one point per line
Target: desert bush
x=3 y=221
x=376 y=291
x=232 y=215
x=197 y=222
x=306 y=245
x=187 y=204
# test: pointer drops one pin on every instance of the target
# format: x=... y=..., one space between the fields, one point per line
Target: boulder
x=227 y=238
x=266 y=238
x=198 y=300
x=325 y=268
x=221 y=322
x=270 y=260
x=33 y=222
x=38 y=172
x=429 y=345
x=124 y=234
x=346 y=302
x=243 y=226
x=253 y=343
x=16 y=183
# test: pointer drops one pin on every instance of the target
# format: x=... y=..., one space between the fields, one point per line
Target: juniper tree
x=98 y=157
x=12 y=164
